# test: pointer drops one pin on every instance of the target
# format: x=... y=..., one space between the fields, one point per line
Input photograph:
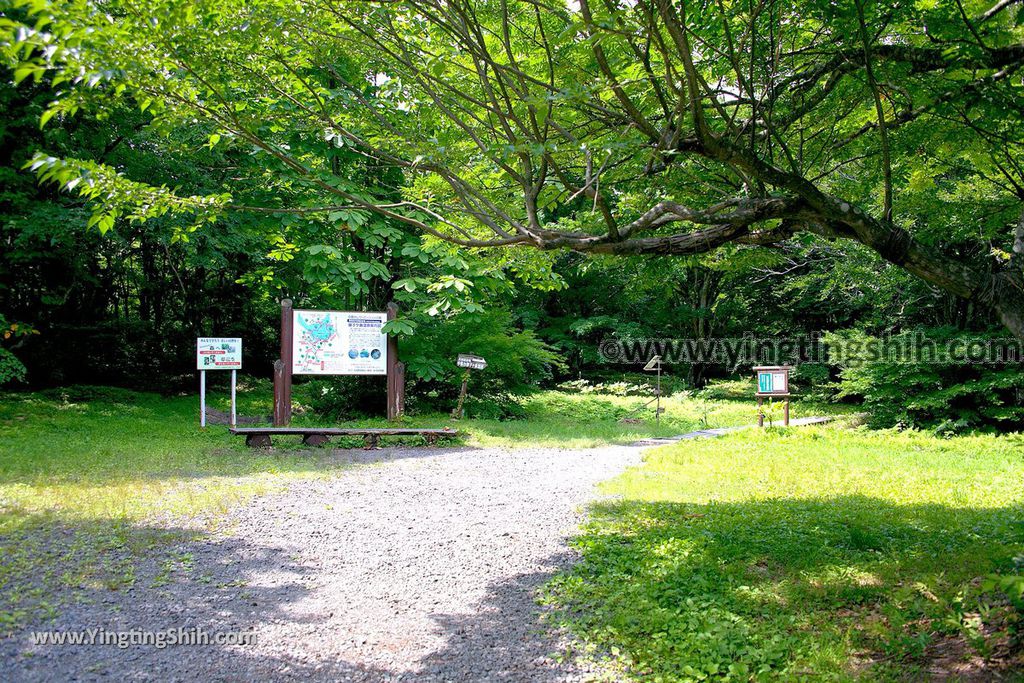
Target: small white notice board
x=218 y=353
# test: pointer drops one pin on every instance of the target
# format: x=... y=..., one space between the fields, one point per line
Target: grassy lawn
x=804 y=554
x=563 y=420
x=92 y=479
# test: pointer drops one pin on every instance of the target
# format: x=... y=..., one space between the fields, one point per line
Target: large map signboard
x=339 y=343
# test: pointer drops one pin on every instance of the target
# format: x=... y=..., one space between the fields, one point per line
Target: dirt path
x=421 y=567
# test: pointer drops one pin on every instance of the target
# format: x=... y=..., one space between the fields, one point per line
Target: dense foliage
x=200 y=161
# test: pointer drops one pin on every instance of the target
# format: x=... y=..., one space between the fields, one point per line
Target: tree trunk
x=1008 y=300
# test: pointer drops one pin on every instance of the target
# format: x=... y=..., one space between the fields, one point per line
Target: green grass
x=802 y=554
x=92 y=478
x=563 y=420
x=559 y=419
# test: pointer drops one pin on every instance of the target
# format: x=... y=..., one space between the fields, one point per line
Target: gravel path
x=421 y=565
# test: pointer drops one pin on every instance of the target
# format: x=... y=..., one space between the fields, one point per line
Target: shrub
x=727 y=390
x=87 y=393
x=938 y=392
x=1006 y=591
x=341 y=398
x=494 y=407
x=582 y=386
x=516 y=359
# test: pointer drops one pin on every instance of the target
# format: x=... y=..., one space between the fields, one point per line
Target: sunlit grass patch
x=812 y=552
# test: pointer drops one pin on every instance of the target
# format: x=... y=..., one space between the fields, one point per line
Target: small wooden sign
x=468 y=360
x=772 y=380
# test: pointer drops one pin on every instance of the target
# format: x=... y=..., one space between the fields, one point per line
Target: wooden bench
x=259 y=437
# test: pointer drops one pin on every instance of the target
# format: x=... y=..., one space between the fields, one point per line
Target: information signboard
x=339 y=343
x=774 y=381
x=219 y=353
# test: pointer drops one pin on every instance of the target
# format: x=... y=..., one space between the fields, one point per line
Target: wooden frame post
x=395 y=371
x=283 y=370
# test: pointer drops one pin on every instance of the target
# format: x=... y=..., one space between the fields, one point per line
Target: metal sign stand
x=216 y=353
x=202 y=399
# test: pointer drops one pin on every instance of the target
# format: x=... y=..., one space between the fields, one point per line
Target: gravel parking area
x=419 y=565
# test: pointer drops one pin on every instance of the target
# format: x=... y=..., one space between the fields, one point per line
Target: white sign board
x=468 y=360
x=771 y=380
x=219 y=353
x=339 y=343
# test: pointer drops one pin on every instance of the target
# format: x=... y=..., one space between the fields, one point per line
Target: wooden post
x=785 y=413
x=280 y=418
x=760 y=412
x=657 y=409
x=202 y=399
x=395 y=371
x=283 y=374
x=457 y=413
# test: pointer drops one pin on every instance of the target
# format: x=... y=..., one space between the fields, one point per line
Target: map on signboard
x=219 y=353
x=338 y=343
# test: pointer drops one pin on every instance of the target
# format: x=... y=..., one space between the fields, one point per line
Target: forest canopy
x=622 y=128
x=723 y=168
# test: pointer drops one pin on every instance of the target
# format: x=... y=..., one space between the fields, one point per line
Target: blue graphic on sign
x=764 y=382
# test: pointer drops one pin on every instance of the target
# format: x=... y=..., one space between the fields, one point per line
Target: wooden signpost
x=655 y=364
x=218 y=353
x=772 y=380
x=469 y=362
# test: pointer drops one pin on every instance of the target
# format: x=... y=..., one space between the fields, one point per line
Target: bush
x=937 y=392
x=1002 y=600
x=494 y=407
x=582 y=386
x=589 y=410
x=516 y=359
x=87 y=393
x=727 y=390
x=347 y=397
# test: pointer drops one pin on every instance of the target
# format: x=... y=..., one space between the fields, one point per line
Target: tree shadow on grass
x=831 y=587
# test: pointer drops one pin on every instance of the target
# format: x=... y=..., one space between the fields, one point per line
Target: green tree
x=646 y=127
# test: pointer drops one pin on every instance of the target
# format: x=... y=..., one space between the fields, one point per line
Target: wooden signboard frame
x=773 y=372
x=395 y=369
